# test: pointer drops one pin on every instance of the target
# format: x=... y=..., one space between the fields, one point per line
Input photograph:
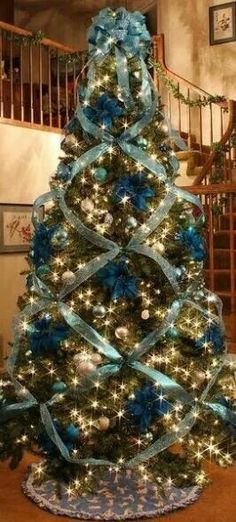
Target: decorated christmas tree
x=119 y=366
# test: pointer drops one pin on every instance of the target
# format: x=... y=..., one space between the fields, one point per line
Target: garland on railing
x=201 y=101
x=217 y=176
x=24 y=40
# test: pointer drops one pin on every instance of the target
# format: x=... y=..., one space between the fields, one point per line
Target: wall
x=28 y=159
x=7 y=11
x=188 y=53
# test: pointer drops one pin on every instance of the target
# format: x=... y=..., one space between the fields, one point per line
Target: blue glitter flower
x=116 y=277
x=46 y=336
x=105 y=110
x=136 y=189
x=194 y=242
x=146 y=406
x=119 y=27
x=214 y=336
x=42 y=248
x=68 y=435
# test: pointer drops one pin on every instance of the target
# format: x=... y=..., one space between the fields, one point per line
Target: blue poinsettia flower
x=116 y=277
x=119 y=27
x=105 y=110
x=136 y=189
x=42 y=248
x=68 y=435
x=146 y=406
x=214 y=336
x=46 y=336
x=64 y=171
x=194 y=242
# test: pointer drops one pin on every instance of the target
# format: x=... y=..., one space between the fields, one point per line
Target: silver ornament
x=70 y=140
x=99 y=311
x=87 y=205
x=121 y=332
x=96 y=358
x=68 y=277
x=145 y=314
x=131 y=222
x=103 y=423
x=160 y=247
x=85 y=367
x=59 y=238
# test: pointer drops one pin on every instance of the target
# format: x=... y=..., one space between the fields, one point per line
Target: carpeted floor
x=217 y=503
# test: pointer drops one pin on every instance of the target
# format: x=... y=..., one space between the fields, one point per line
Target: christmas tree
x=119 y=361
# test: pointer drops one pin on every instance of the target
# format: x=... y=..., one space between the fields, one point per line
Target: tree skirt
x=118 y=497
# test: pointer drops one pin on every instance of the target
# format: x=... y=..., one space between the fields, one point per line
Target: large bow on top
x=126 y=30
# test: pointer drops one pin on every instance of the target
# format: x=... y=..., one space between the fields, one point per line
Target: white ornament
x=160 y=247
x=99 y=311
x=68 y=277
x=71 y=140
x=85 y=367
x=103 y=423
x=87 y=205
x=96 y=358
x=121 y=332
x=145 y=314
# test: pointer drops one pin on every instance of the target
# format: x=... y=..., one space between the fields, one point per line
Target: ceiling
x=75 y=6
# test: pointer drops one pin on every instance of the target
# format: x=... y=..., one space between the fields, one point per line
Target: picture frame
x=222 y=23
x=16 y=227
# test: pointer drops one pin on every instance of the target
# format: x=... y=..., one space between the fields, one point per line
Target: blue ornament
x=194 y=242
x=46 y=336
x=105 y=110
x=100 y=174
x=43 y=270
x=142 y=142
x=59 y=387
x=68 y=436
x=42 y=248
x=116 y=277
x=126 y=30
x=173 y=332
x=148 y=404
x=213 y=335
x=136 y=189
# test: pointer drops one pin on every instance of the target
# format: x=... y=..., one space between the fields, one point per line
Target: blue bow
x=194 y=242
x=213 y=335
x=121 y=28
x=68 y=435
x=42 y=248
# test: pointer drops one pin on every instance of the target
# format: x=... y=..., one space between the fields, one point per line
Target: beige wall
x=28 y=158
x=188 y=53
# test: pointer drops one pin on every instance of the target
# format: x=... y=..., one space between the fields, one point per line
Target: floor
x=217 y=503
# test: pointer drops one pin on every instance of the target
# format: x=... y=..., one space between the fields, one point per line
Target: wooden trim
x=218 y=188
x=29 y=125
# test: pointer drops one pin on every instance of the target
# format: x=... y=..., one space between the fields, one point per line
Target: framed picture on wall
x=222 y=23
x=16 y=228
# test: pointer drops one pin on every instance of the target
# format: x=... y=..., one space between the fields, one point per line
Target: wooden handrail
x=159 y=42
x=225 y=138
x=45 y=41
x=217 y=188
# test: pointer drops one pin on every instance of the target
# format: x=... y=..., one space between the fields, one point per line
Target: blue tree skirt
x=117 y=498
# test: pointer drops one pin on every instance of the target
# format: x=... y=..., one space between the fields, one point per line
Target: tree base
x=118 y=498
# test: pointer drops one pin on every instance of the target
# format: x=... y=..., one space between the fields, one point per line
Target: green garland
x=25 y=40
x=202 y=101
